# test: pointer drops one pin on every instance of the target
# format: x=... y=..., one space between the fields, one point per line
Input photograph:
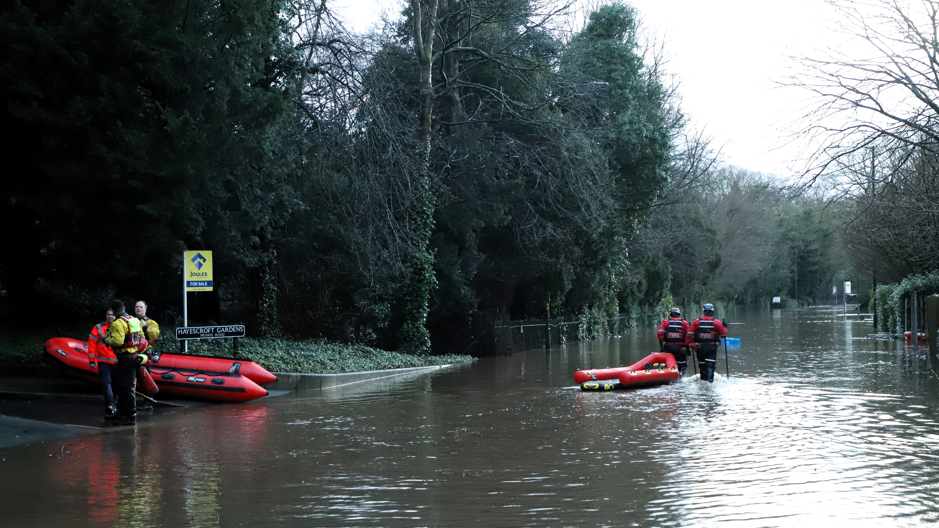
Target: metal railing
x=514 y=336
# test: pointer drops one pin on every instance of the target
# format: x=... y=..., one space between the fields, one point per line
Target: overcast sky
x=728 y=55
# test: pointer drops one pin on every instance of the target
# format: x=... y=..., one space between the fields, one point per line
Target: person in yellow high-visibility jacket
x=151 y=330
x=125 y=337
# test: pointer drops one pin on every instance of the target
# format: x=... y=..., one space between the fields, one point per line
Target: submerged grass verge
x=277 y=355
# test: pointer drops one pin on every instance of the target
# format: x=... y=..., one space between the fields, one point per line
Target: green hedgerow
x=318 y=356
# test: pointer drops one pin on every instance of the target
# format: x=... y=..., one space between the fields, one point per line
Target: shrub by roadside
x=317 y=356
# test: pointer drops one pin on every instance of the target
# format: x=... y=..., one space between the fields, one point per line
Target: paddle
x=726 y=364
x=159 y=402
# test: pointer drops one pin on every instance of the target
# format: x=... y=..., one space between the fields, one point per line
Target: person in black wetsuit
x=673 y=338
x=706 y=333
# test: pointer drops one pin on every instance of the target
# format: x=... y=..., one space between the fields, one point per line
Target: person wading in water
x=673 y=338
x=706 y=334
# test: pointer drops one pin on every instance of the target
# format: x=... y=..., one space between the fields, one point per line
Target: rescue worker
x=151 y=331
x=673 y=338
x=125 y=336
x=706 y=333
x=101 y=354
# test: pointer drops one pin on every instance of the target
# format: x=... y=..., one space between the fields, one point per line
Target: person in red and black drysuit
x=706 y=333
x=673 y=338
x=101 y=354
x=125 y=336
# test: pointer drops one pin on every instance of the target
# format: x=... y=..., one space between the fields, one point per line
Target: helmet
x=674 y=311
x=708 y=307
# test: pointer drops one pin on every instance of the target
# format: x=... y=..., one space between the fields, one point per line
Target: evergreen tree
x=142 y=129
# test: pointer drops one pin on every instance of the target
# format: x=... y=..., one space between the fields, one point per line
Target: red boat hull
x=206 y=385
x=599 y=374
x=655 y=369
x=248 y=369
x=72 y=356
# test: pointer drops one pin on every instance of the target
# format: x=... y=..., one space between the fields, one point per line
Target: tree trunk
x=414 y=334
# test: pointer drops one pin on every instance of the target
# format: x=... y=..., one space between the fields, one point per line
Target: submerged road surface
x=816 y=426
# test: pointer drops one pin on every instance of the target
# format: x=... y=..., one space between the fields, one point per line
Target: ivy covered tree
x=622 y=107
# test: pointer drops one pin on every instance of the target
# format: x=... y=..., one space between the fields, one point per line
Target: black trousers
x=681 y=355
x=105 y=373
x=125 y=383
x=707 y=360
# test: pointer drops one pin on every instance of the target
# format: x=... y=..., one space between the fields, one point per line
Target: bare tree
x=876 y=127
x=880 y=89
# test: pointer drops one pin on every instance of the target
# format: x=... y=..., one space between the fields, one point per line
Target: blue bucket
x=731 y=342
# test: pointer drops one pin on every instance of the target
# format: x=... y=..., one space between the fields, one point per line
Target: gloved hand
x=142 y=359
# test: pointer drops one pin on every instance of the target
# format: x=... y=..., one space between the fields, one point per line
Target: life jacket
x=98 y=350
x=675 y=333
x=705 y=332
x=134 y=334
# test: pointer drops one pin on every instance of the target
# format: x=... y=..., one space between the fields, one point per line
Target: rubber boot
x=682 y=367
x=711 y=365
x=132 y=420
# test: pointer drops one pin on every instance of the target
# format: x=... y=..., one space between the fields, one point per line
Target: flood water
x=816 y=426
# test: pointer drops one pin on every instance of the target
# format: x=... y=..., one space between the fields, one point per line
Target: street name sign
x=210 y=332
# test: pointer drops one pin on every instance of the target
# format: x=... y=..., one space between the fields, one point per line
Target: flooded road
x=816 y=425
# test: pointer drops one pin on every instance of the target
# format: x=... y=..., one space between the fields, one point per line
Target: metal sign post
x=197 y=276
x=847 y=291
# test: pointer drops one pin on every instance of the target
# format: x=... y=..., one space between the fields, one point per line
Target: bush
x=926 y=284
x=318 y=356
x=883 y=308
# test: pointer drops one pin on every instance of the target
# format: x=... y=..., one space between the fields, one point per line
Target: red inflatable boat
x=248 y=369
x=654 y=369
x=199 y=383
x=71 y=355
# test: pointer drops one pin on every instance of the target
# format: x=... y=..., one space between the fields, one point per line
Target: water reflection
x=815 y=424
